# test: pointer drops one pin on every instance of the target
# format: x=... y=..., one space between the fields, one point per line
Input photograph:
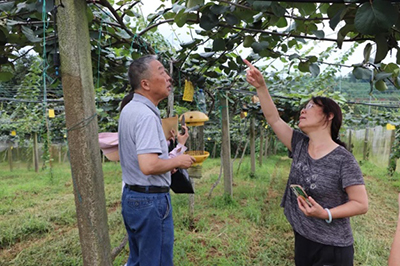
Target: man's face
x=159 y=82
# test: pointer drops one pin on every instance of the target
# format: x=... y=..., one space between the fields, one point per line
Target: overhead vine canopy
x=270 y=28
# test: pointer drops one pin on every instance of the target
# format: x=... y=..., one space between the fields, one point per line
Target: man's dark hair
x=138 y=70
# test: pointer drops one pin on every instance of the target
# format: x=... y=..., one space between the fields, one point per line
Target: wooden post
x=266 y=145
x=214 y=149
x=350 y=148
x=35 y=152
x=10 y=159
x=171 y=94
x=365 y=148
x=260 y=158
x=82 y=129
x=392 y=139
x=252 y=145
x=226 y=147
x=59 y=153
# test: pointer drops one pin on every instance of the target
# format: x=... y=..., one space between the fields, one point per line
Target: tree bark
x=226 y=147
x=82 y=129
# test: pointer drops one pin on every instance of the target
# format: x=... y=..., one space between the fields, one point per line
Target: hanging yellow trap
x=51 y=113
x=196 y=120
x=390 y=127
x=188 y=92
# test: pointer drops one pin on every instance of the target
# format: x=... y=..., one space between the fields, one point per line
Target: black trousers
x=310 y=253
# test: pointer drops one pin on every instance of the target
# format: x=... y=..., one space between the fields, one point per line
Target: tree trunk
x=226 y=147
x=82 y=129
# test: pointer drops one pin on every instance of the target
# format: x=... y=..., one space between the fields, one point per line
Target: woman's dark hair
x=126 y=100
x=329 y=106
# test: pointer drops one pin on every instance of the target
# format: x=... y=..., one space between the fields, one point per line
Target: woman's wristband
x=330 y=216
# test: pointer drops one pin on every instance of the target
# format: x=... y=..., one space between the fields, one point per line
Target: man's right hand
x=185 y=161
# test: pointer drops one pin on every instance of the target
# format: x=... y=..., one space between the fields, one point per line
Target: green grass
x=38 y=220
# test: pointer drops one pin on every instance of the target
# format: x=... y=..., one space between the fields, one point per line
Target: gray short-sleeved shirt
x=325 y=180
x=140 y=132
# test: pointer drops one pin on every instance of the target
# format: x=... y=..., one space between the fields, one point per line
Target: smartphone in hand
x=299 y=192
x=183 y=123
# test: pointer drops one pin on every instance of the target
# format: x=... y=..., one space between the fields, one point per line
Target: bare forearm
x=267 y=105
x=157 y=166
x=394 y=257
x=349 y=209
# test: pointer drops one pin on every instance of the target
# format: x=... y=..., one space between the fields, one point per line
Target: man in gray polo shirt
x=143 y=152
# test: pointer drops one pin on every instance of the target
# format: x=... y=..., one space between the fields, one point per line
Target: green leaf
x=338 y=12
x=260 y=46
x=212 y=74
x=306 y=8
x=367 y=52
x=375 y=17
x=293 y=56
x=208 y=20
x=398 y=57
x=6 y=6
x=231 y=19
x=248 y=41
x=281 y=22
x=218 y=9
x=304 y=66
x=278 y=10
x=320 y=34
x=5 y=76
x=343 y=32
x=312 y=59
x=381 y=48
x=207 y=55
x=129 y=12
x=314 y=69
x=397 y=82
x=261 y=5
x=123 y=34
x=390 y=68
x=362 y=73
x=193 y=3
x=30 y=35
x=382 y=75
x=180 y=18
x=219 y=44
x=380 y=85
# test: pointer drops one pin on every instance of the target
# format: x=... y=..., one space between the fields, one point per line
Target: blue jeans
x=148 y=221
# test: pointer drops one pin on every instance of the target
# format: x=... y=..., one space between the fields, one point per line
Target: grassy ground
x=38 y=221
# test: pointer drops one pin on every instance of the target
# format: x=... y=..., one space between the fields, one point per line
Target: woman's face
x=311 y=117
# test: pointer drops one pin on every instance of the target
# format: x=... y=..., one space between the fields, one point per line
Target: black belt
x=148 y=189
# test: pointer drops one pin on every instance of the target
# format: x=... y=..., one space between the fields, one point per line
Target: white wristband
x=330 y=216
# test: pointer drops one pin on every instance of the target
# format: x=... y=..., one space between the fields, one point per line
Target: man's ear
x=145 y=84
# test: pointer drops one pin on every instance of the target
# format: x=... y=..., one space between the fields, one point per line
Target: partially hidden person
x=394 y=256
